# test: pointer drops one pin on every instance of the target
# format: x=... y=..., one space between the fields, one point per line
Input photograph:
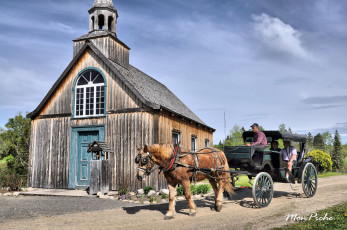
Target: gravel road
x=29 y=207
x=237 y=213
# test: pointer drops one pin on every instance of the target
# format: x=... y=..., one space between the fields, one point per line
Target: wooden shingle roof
x=156 y=92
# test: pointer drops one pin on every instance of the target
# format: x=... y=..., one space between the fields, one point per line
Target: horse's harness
x=175 y=162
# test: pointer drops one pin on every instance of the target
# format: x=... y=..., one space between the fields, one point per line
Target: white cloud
x=279 y=36
x=57 y=26
x=22 y=88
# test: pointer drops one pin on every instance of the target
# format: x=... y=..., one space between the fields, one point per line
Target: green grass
x=328 y=174
x=338 y=214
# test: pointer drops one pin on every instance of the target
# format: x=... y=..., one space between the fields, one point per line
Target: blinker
x=137 y=159
x=144 y=160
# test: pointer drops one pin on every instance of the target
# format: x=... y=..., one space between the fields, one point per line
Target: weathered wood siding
x=125 y=133
x=169 y=123
x=50 y=150
x=118 y=96
x=110 y=47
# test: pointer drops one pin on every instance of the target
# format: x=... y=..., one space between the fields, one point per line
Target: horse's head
x=145 y=163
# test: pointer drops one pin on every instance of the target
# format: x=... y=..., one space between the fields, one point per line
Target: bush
x=180 y=191
x=122 y=190
x=194 y=189
x=147 y=189
x=164 y=196
x=321 y=160
x=152 y=199
x=10 y=179
x=10 y=161
x=203 y=188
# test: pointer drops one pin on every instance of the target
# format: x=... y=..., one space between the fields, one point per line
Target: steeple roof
x=103 y=3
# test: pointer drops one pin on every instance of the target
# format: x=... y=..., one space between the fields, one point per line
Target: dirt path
x=236 y=214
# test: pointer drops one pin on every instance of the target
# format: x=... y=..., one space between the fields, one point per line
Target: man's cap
x=254 y=124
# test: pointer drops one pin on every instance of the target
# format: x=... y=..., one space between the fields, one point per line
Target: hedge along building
x=101 y=97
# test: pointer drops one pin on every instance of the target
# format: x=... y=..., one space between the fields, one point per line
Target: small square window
x=207 y=143
x=176 y=137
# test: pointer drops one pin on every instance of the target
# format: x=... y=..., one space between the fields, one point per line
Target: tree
x=290 y=130
x=282 y=128
x=309 y=143
x=336 y=156
x=15 y=141
x=318 y=142
x=328 y=141
x=236 y=136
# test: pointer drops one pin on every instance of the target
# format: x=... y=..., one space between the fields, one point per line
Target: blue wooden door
x=83 y=158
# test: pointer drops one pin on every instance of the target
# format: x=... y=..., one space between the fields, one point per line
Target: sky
x=264 y=61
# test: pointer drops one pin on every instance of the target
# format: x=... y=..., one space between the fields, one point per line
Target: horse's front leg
x=171 y=212
x=192 y=207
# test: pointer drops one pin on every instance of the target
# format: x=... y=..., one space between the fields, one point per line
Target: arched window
x=90 y=94
x=101 y=20
x=92 y=23
x=110 y=21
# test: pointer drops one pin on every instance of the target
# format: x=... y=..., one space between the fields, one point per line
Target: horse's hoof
x=168 y=217
x=218 y=208
x=192 y=214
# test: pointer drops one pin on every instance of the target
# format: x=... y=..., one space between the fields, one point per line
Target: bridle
x=145 y=161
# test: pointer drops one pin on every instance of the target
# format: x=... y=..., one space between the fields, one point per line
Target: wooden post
x=99 y=177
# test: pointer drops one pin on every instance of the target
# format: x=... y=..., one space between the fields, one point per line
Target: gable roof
x=151 y=92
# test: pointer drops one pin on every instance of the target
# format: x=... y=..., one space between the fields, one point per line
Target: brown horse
x=184 y=169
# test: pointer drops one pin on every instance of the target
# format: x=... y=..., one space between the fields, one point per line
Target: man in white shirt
x=289 y=154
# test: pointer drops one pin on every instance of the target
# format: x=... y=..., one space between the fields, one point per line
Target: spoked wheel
x=262 y=190
x=309 y=180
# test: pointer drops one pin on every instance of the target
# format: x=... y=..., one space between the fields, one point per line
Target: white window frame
x=84 y=87
x=195 y=143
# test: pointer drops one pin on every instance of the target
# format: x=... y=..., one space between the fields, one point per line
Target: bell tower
x=103 y=33
x=103 y=16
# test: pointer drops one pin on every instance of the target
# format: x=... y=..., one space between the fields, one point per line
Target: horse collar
x=173 y=159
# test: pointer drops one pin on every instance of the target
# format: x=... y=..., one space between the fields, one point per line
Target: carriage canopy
x=275 y=135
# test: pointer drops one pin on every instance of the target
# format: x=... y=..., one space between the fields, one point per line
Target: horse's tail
x=228 y=187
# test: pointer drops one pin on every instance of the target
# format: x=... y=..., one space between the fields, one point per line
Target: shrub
x=164 y=196
x=321 y=160
x=122 y=190
x=147 y=189
x=9 y=160
x=194 y=189
x=10 y=179
x=180 y=191
x=151 y=199
x=203 y=188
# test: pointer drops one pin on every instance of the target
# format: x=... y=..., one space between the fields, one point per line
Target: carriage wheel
x=262 y=190
x=309 y=180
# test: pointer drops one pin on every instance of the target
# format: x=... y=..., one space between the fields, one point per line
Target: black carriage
x=267 y=166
